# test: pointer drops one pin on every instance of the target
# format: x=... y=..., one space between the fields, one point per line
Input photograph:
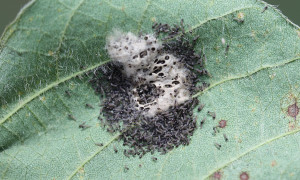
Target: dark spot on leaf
x=273 y=163
x=293 y=110
x=217 y=175
x=222 y=123
x=293 y=125
x=244 y=176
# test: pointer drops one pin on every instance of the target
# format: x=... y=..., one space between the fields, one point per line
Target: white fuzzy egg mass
x=159 y=79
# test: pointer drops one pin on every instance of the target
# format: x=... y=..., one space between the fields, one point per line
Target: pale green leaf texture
x=41 y=56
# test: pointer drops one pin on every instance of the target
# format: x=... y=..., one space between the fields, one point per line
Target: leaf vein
x=143 y=15
x=245 y=75
x=250 y=150
x=37 y=118
x=92 y=156
x=50 y=86
x=62 y=36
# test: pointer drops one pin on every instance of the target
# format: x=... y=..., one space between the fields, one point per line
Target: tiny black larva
x=72 y=117
x=83 y=126
x=99 y=144
x=115 y=149
x=218 y=146
x=68 y=93
x=225 y=137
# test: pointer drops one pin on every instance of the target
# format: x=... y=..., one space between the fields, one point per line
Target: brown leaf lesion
x=290 y=107
x=293 y=110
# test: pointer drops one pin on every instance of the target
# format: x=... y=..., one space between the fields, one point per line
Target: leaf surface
x=254 y=86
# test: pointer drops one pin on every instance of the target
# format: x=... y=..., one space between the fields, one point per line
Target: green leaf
x=255 y=87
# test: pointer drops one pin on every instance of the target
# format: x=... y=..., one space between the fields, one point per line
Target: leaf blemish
x=222 y=123
x=244 y=176
x=240 y=18
x=273 y=163
x=293 y=110
x=217 y=175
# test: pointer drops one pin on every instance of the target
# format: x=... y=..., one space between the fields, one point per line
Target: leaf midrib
x=50 y=86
